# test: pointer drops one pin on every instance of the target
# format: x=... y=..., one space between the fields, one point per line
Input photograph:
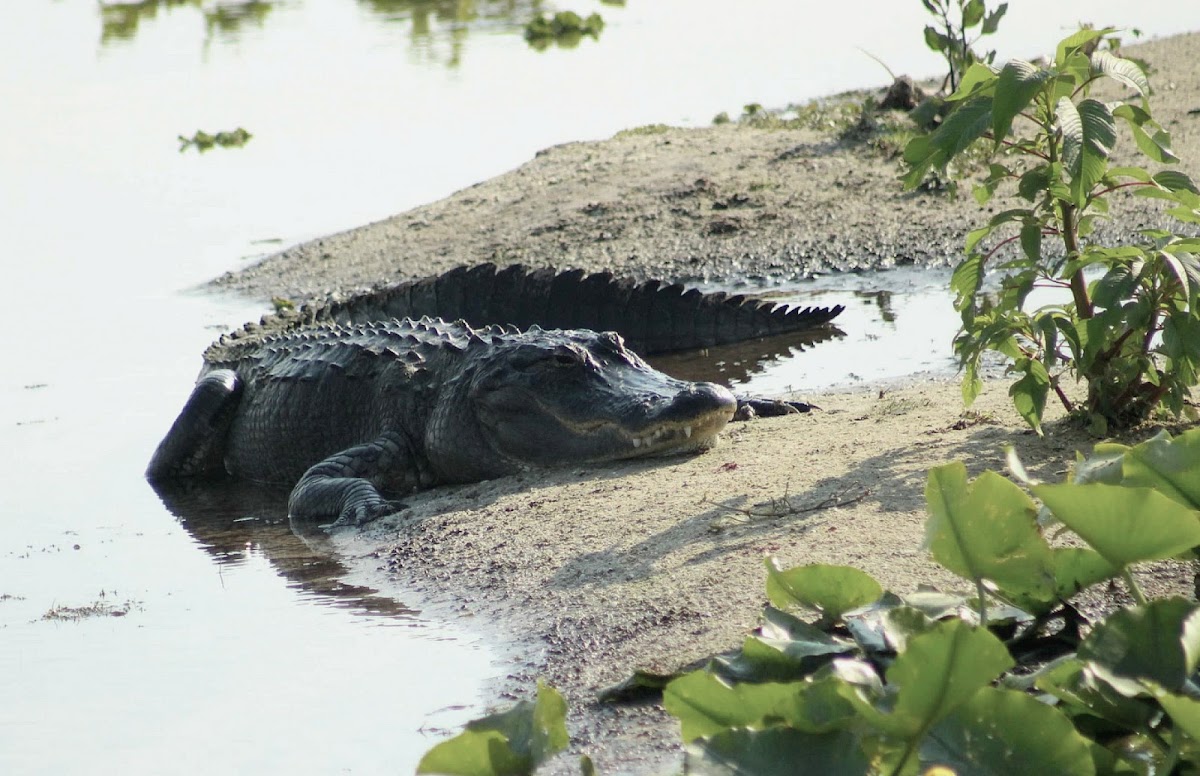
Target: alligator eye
x=562 y=359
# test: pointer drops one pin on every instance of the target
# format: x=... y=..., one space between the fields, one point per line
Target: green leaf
x=1124 y=71
x=1031 y=241
x=1077 y=568
x=775 y=752
x=1125 y=525
x=1184 y=711
x=1115 y=287
x=1170 y=466
x=1029 y=394
x=1084 y=692
x=1034 y=182
x=938 y=672
x=991 y=22
x=1072 y=76
x=705 y=704
x=512 y=742
x=936 y=605
x=1002 y=732
x=1156 y=146
x=973 y=238
x=935 y=40
x=979 y=79
x=638 y=686
x=886 y=624
x=1159 y=641
x=1018 y=82
x=961 y=128
x=1136 y=173
x=972 y=384
x=785 y=648
x=1076 y=41
x=986 y=531
x=1089 y=134
x=1174 y=180
x=830 y=589
x=972 y=13
x=967 y=278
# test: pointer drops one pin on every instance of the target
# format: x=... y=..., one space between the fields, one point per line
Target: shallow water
x=895 y=323
x=220 y=643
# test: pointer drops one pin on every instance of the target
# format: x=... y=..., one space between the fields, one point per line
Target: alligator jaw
x=688 y=422
x=672 y=438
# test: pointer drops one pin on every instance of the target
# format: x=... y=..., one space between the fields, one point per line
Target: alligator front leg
x=750 y=407
x=346 y=485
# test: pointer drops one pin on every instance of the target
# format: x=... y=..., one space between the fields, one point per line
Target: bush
x=1128 y=325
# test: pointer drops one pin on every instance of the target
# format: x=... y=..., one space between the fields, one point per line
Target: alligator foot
x=362 y=513
x=750 y=407
x=347 y=484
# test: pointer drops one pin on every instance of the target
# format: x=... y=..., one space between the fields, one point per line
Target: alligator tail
x=654 y=317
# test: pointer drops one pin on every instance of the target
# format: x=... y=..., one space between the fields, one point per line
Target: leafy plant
x=907 y=684
x=507 y=743
x=1001 y=682
x=565 y=28
x=1127 y=321
x=951 y=39
x=203 y=141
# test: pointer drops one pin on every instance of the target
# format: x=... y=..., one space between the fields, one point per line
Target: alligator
x=354 y=406
x=653 y=317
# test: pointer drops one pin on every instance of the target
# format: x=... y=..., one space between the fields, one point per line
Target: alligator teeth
x=687 y=432
x=637 y=442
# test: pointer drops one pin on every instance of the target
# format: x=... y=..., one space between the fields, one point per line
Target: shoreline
x=583 y=575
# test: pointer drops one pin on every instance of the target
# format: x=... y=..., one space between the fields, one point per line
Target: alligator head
x=565 y=397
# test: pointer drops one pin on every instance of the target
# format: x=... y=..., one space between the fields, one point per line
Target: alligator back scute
x=654 y=317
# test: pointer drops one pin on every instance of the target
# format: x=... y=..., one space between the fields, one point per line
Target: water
x=895 y=324
x=238 y=646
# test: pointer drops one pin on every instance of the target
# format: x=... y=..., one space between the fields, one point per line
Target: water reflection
x=443 y=25
x=434 y=25
x=882 y=300
x=738 y=363
x=425 y=15
x=120 y=22
x=234 y=520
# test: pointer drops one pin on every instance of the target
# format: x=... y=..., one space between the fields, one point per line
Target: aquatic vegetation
x=203 y=141
x=103 y=606
x=507 y=743
x=1129 y=325
x=565 y=28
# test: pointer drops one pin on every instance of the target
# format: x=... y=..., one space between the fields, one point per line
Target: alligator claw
x=749 y=407
x=365 y=512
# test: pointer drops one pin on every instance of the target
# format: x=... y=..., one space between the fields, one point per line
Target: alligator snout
x=700 y=400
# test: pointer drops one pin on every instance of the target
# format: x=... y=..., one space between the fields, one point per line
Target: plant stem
x=1062 y=397
x=950 y=48
x=1134 y=590
x=979 y=591
x=1070 y=235
x=1173 y=754
x=909 y=748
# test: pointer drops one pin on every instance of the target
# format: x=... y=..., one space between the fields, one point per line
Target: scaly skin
x=653 y=317
x=355 y=415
